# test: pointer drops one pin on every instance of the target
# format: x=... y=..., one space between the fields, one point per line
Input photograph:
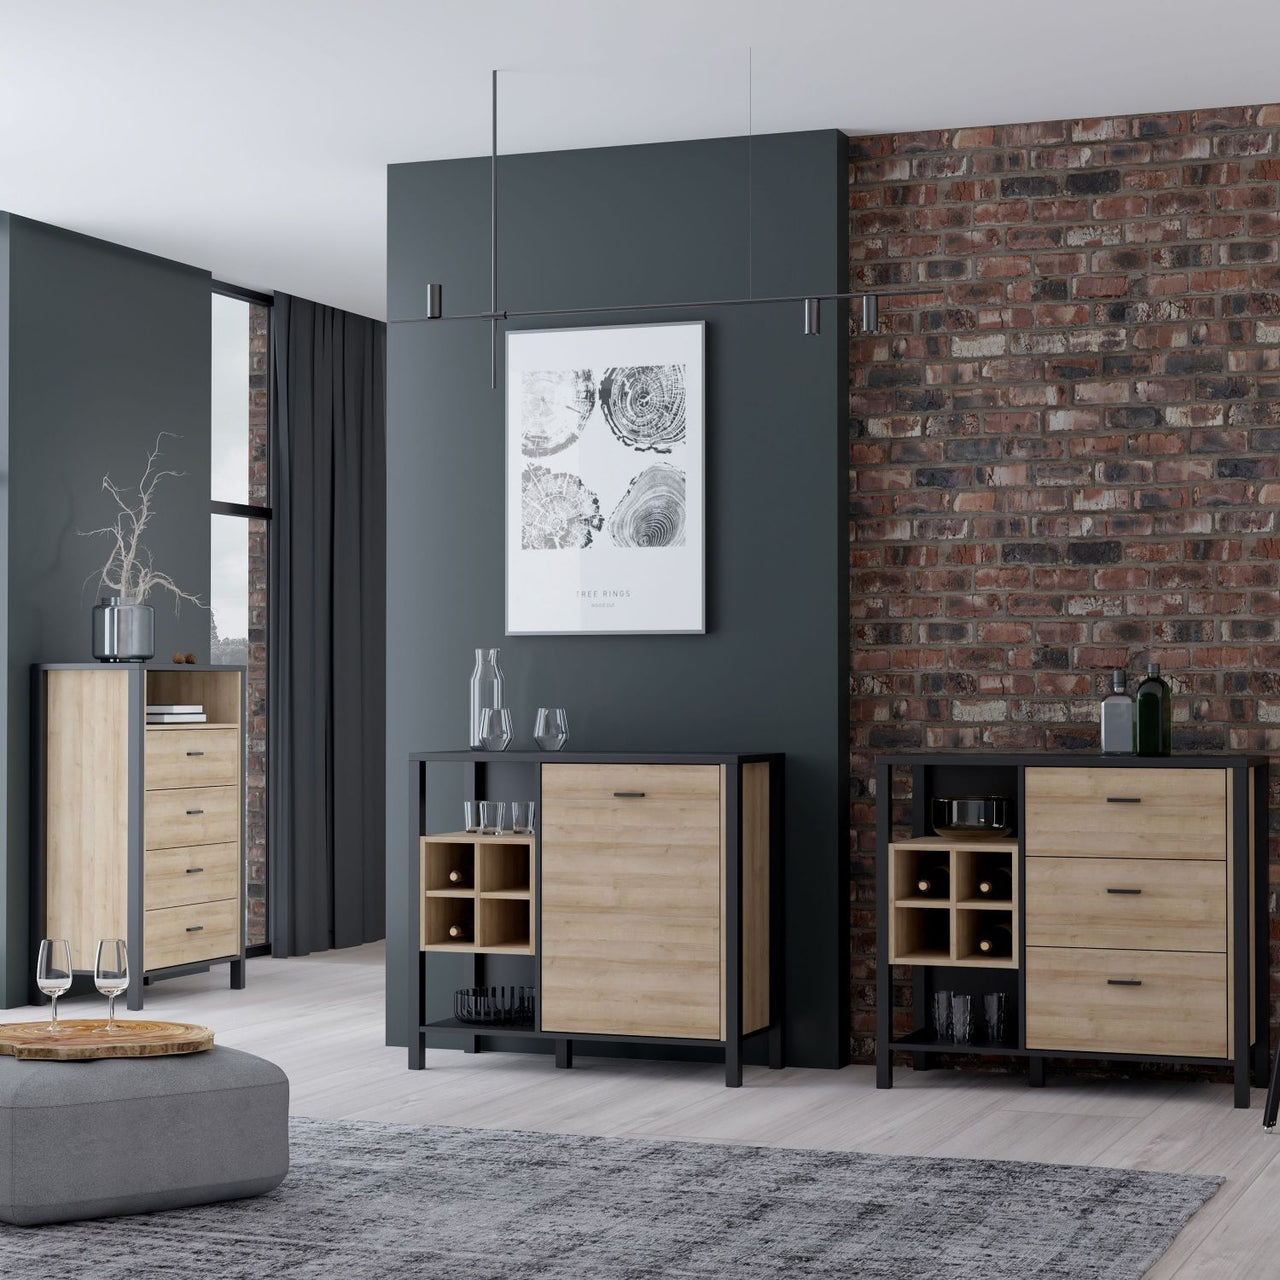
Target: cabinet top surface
x=595 y=757
x=1059 y=760
x=230 y=668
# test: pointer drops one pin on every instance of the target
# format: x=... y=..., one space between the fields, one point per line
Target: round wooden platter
x=82 y=1039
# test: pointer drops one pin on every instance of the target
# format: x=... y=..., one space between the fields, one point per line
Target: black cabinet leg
x=237 y=974
x=1273 y=1097
x=133 y=998
x=417 y=1051
x=564 y=1054
x=733 y=1064
x=1036 y=1072
x=1242 y=1098
x=470 y=1044
x=884 y=1065
x=1261 y=1061
x=923 y=1061
x=777 y=1058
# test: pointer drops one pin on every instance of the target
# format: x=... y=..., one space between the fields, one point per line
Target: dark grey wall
x=635 y=225
x=107 y=348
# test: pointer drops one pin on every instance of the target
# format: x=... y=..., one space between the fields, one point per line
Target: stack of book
x=176 y=715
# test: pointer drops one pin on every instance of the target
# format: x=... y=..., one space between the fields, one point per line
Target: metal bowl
x=972 y=815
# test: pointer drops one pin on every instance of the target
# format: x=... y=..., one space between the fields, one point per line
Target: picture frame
x=606 y=480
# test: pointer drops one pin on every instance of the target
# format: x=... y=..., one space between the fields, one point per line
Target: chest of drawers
x=139 y=827
x=1140 y=922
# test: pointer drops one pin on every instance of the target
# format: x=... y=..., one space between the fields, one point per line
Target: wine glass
x=53 y=974
x=111 y=976
x=551 y=728
x=495 y=728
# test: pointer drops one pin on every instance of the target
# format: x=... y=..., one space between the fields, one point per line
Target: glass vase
x=486 y=691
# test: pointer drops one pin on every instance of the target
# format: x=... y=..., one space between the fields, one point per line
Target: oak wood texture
x=86 y=812
x=1179 y=1008
x=83 y=1039
x=494 y=900
x=192 y=815
x=191 y=757
x=189 y=874
x=186 y=935
x=1090 y=812
x=218 y=692
x=1179 y=905
x=755 y=897
x=631 y=900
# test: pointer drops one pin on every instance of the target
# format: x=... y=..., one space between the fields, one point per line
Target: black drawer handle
x=193 y=813
x=191 y=871
x=1124 y=982
x=628 y=795
x=1124 y=799
x=195 y=753
x=195 y=928
x=1124 y=890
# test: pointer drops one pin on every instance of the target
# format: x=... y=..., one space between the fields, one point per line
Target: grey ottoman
x=130 y=1135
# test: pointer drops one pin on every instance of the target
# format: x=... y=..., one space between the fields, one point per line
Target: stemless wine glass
x=551 y=728
x=495 y=728
x=111 y=976
x=493 y=813
x=53 y=974
x=522 y=817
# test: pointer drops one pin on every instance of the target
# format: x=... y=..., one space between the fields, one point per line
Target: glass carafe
x=486 y=690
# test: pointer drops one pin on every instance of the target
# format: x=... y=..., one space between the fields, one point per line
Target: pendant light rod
x=870 y=307
x=493 y=229
x=750 y=184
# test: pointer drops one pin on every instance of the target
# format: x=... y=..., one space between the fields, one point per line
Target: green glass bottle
x=1154 y=715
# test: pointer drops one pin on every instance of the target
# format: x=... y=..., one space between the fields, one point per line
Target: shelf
x=980 y=904
x=512 y=895
x=923 y=1042
x=469 y=948
x=928 y=904
x=451 y=893
x=936 y=956
x=476 y=837
x=944 y=844
x=196 y=724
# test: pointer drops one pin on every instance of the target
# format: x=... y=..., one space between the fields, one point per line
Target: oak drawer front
x=1144 y=1002
x=1137 y=813
x=192 y=873
x=184 y=935
x=1149 y=904
x=192 y=758
x=631 y=895
x=192 y=815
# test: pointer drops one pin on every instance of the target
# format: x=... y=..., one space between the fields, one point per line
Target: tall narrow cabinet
x=644 y=908
x=139 y=828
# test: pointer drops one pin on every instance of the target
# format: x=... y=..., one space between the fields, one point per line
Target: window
x=240 y=550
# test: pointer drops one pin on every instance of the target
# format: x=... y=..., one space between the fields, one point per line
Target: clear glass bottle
x=1154 y=715
x=486 y=690
x=1118 y=732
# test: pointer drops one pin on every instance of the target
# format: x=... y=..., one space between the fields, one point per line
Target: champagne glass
x=53 y=974
x=111 y=977
x=551 y=728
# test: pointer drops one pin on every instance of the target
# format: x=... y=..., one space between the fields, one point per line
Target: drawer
x=1149 y=904
x=185 y=935
x=192 y=873
x=652 y=803
x=1143 y=1002
x=192 y=758
x=192 y=815
x=1126 y=813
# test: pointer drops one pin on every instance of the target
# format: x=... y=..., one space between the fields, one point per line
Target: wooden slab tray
x=80 y=1040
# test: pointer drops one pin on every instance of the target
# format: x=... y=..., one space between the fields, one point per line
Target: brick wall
x=259 y=495
x=1064 y=457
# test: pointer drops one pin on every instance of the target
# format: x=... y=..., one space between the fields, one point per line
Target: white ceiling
x=250 y=137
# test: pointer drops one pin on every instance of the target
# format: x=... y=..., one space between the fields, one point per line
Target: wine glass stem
x=111 y=1013
x=53 y=1017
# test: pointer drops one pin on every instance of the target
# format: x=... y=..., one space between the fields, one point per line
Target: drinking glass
x=111 y=977
x=53 y=974
x=551 y=728
x=995 y=1005
x=493 y=813
x=522 y=817
x=495 y=728
x=471 y=815
x=941 y=1010
x=962 y=1018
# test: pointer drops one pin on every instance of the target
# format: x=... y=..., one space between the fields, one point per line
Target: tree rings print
x=557 y=510
x=644 y=405
x=555 y=405
x=652 y=511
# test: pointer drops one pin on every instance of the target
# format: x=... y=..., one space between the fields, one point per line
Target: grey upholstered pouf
x=130 y=1135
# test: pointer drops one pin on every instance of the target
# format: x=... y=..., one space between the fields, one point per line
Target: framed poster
x=605 y=489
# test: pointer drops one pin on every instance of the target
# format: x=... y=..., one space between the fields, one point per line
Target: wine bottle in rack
x=457 y=878
x=996 y=940
x=996 y=882
x=933 y=879
x=459 y=933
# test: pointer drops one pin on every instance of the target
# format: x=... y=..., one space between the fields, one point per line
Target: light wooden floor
x=321 y=1019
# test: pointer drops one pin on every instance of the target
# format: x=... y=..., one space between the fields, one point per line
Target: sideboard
x=1135 y=913
x=645 y=907
x=139 y=828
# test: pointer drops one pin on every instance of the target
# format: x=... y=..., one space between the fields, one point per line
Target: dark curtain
x=328 y=656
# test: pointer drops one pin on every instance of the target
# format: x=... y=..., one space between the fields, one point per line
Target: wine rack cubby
x=939 y=914
x=482 y=885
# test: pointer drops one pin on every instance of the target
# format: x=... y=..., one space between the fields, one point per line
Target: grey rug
x=374 y=1201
